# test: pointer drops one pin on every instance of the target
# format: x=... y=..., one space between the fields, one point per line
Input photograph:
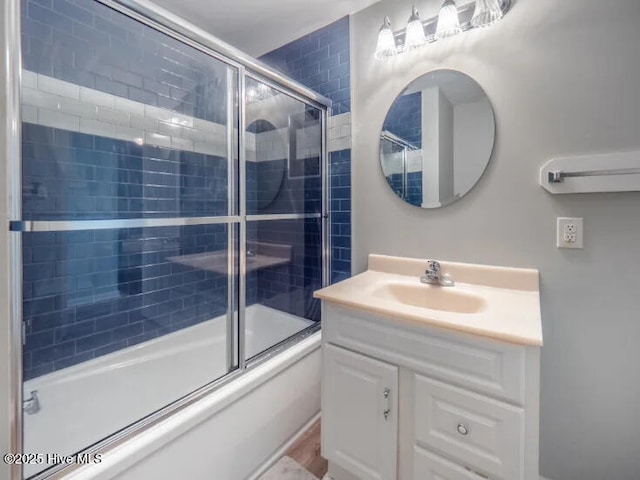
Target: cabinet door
x=360 y=414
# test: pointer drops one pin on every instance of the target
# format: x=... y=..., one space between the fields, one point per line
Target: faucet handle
x=433 y=266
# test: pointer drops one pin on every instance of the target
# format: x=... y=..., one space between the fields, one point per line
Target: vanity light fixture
x=452 y=20
x=487 y=12
x=386 y=41
x=415 y=31
x=448 y=20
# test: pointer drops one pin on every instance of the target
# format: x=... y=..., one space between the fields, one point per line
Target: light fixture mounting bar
x=465 y=12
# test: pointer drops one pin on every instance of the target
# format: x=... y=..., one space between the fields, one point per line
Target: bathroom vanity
x=427 y=382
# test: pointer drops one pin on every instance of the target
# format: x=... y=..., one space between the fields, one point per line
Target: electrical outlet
x=570 y=232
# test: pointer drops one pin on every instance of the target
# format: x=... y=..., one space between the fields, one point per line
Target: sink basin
x=502 y=303
x=433 y=297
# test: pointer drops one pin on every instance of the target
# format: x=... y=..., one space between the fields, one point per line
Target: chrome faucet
x=32 y=405
x=434 y=276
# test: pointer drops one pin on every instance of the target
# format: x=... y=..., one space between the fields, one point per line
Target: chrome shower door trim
x=326 y=202
x=282 y=216
x=12 y=56
x=242 y=182
x=76 y=225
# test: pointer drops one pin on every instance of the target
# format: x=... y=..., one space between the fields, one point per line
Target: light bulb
x=448 y=20
x=386 y=42
x=415 y=37
x=486 y=13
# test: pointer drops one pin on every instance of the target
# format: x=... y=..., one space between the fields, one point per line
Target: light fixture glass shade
x=448 y=20
x=386 y=42
x=487 y=12
x=415 y=36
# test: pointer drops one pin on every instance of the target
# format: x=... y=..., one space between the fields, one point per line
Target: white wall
x=473 y=131
x=564 y=78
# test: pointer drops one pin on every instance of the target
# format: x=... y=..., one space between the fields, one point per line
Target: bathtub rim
x=138 y=441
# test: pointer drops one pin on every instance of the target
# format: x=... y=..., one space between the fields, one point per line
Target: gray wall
x=564 y=78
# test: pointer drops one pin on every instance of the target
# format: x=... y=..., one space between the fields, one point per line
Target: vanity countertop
x=496 y=302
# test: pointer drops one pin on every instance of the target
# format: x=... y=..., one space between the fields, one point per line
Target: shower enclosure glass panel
x=129 y=191
x=283 y=151
x=394 y=165
x=284 y=268
x=284 y=206
x=121 y=323
x=157 y=261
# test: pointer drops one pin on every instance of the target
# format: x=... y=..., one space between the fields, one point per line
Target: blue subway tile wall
x=91 y=45
x=286 y=185
x=412 y=192
x=321 y=61
x=340 y=194
x=414 y=188
x=396 y=184
x=404 y=118
x=90 y=293
x=270 y=190
x=69 y=175
x=288 y=287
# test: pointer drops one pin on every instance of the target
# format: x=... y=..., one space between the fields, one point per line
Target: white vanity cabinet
x=361 y=410
x=405 y=400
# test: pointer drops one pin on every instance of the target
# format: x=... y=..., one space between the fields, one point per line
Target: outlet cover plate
x=566 y=229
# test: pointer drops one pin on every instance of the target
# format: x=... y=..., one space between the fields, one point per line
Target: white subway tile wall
x=55 y=103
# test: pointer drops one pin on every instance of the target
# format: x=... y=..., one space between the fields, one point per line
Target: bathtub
x=85 y=403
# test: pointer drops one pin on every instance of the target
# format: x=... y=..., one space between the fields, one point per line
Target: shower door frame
x=246 y=67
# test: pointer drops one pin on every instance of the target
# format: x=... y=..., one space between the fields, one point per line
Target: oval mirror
x=437 y=139
x=269 y=165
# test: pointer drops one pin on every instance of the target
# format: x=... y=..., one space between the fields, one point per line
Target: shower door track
x=247 y=67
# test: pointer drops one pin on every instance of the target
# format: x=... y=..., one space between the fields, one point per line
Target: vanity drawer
x=429 y=466
x=480 y=364
x=481 y=433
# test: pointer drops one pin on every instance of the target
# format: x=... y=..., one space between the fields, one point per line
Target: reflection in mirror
x=437 y=139
x=270 y=161
x=283 y=152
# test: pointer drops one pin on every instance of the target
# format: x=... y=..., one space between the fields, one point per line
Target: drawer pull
x=462 y=429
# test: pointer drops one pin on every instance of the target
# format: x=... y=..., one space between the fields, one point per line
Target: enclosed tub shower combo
x=170 y=220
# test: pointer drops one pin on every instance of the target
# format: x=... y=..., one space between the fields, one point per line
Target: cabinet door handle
x=462 y=429
x=386 y=393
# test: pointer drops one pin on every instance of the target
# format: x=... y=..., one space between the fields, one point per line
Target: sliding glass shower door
x=284 y=205
x=172 y=225
x=129 y=219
